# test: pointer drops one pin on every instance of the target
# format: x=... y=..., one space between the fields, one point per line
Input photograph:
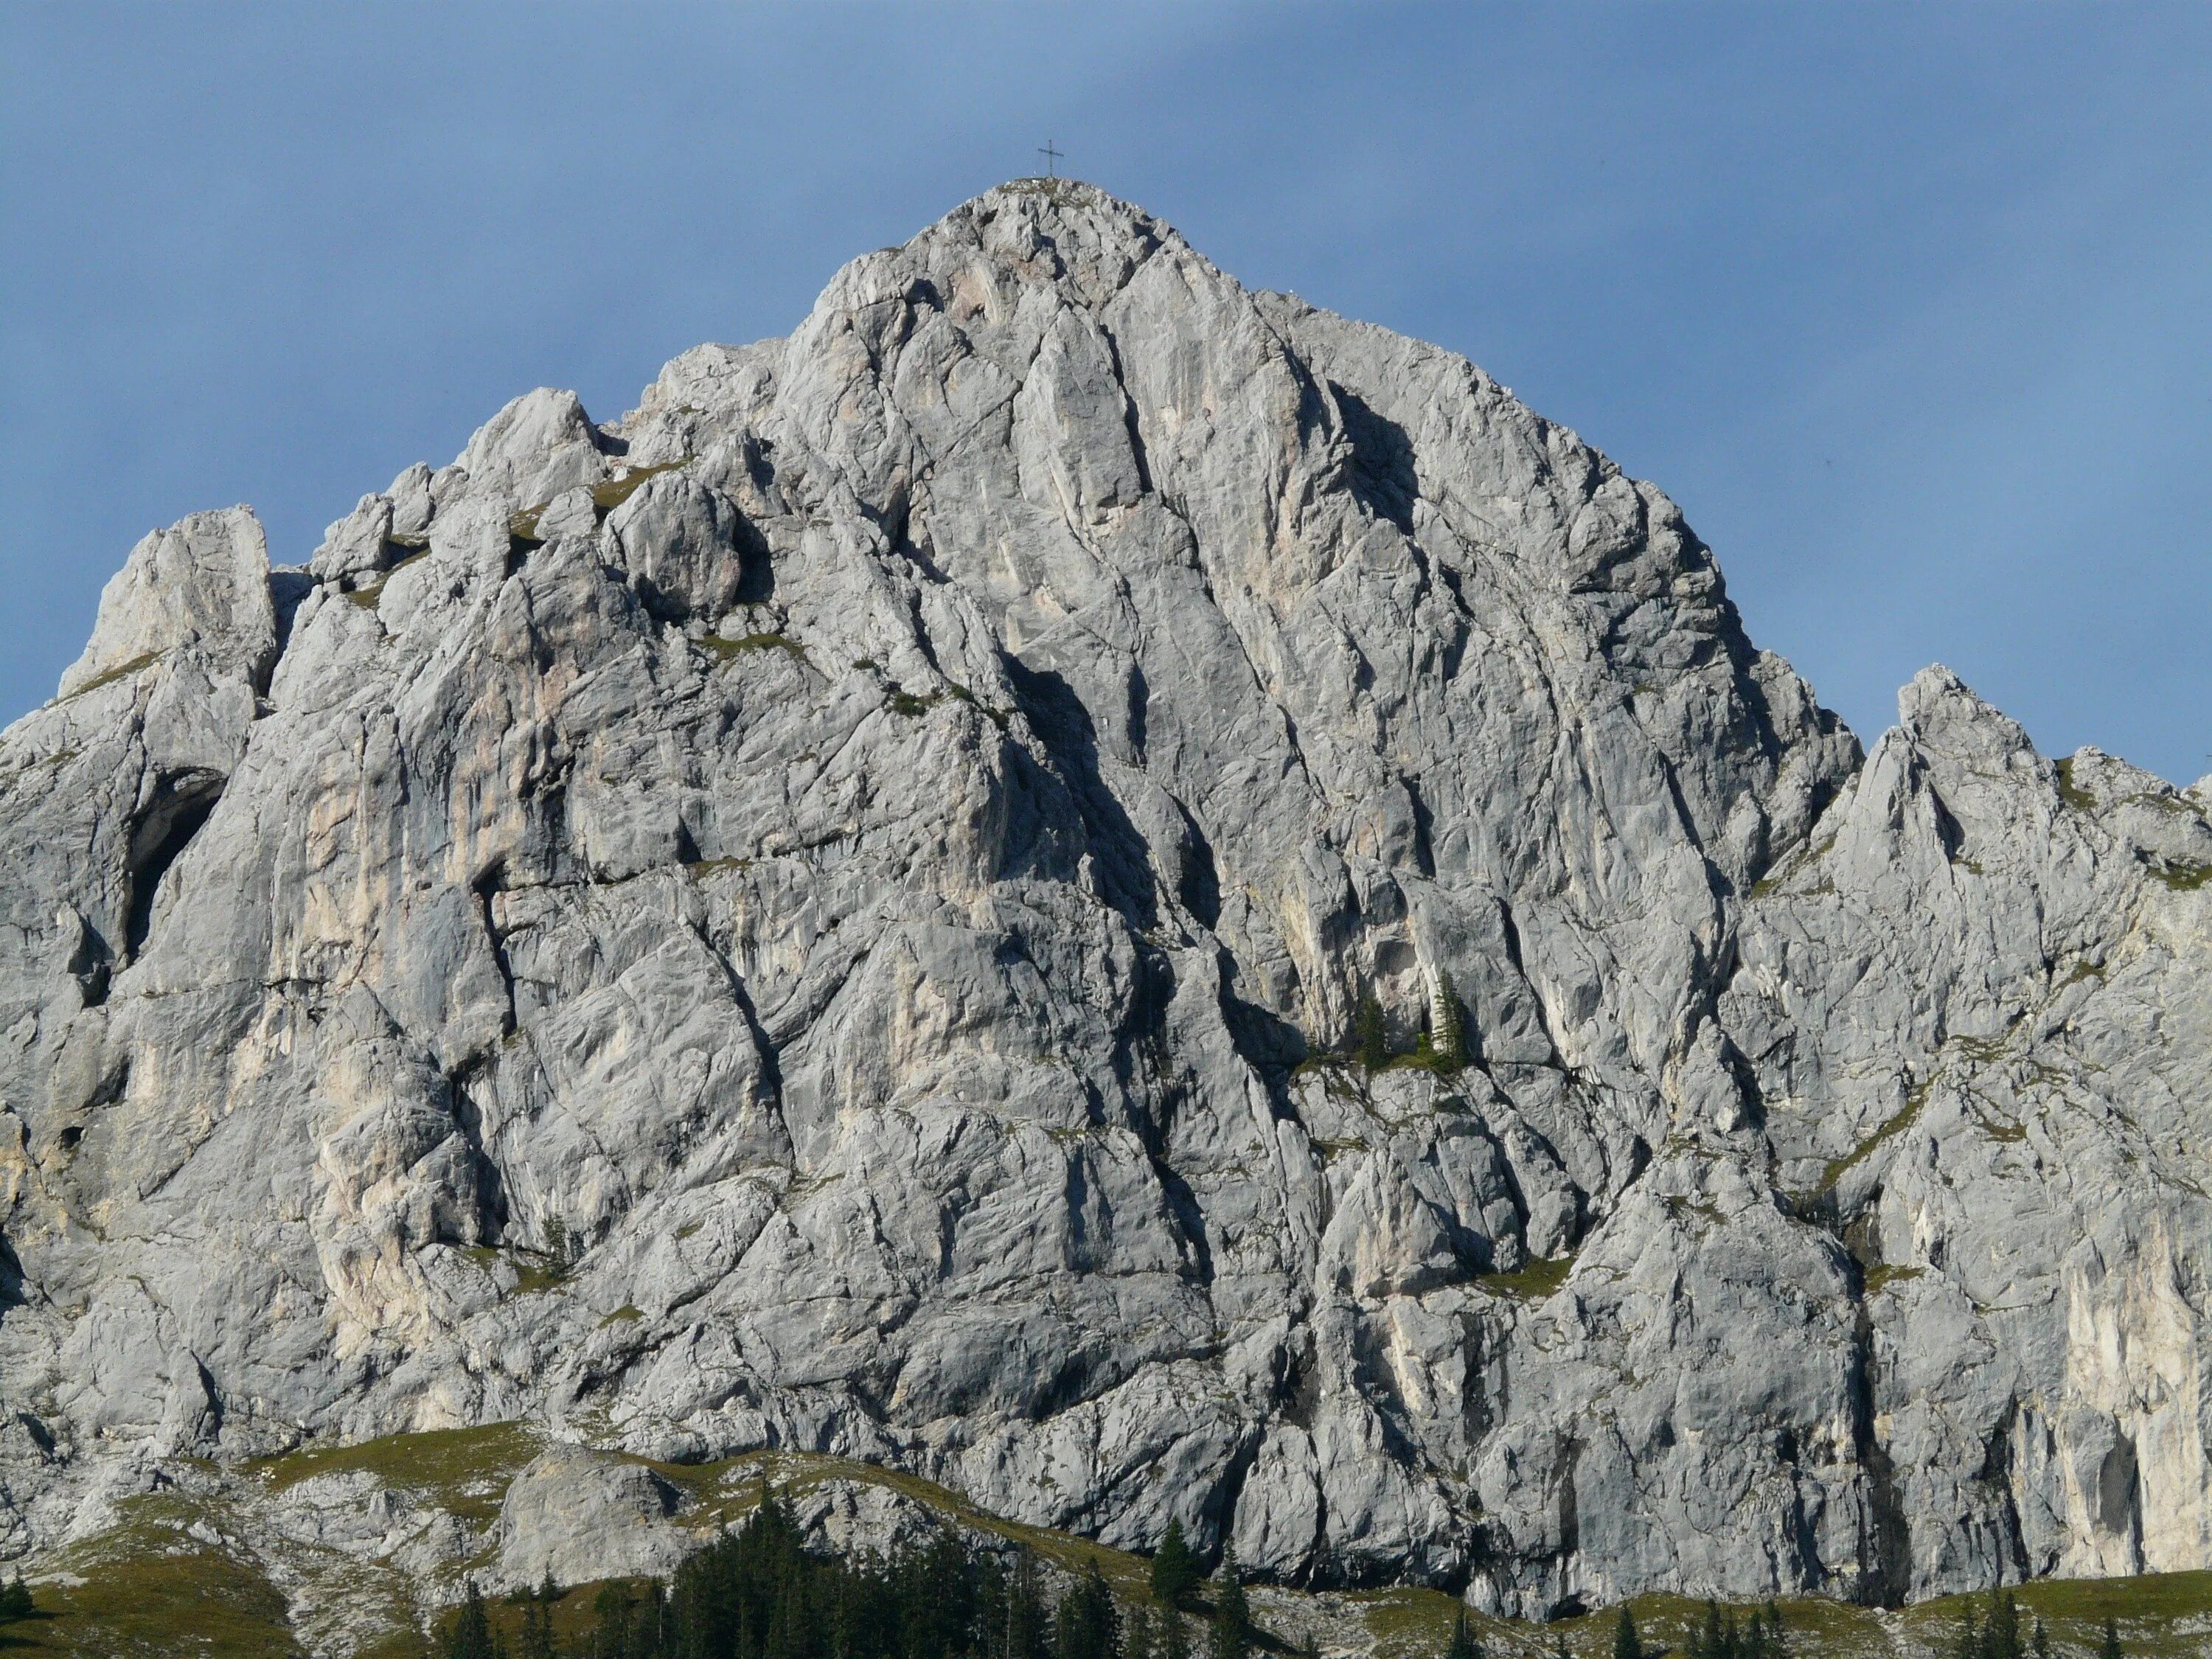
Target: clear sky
x=1910 y=306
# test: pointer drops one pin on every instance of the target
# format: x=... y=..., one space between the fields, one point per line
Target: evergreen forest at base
x=757 y=1593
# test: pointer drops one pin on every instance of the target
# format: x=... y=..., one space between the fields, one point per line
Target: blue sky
x=1910 y=307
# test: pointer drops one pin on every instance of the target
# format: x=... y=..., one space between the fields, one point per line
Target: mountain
x=840 y=913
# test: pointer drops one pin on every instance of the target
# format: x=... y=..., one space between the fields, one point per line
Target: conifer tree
x=1174 y=1642
x=1174 y=1569
x=1463 y=1644
x=1707 y=1642
x=1139 y=1634
x=1230 y=1637
x=15 y=1600
x=1085 y=1625
x=1775 y=1644
x=1447 y=1024
x=468 y=1632
x=2111 y=1647
x=2042 y=1639
x=1624 y=1643
x=2000 y=1631
x=1373 y=1037
x=990 y=1608
x=609 y=1623
x=536 y=1628
x=1025 y=1615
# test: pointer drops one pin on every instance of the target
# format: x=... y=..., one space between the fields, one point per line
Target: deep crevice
x=158 y=838
x=1383 y=478
x=1122 y=857
x=1886 y=1550
x=488 y=886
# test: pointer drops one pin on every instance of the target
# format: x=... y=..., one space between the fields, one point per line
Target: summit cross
x=1051 y=155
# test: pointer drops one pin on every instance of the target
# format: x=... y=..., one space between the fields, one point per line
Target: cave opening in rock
x=158 y=840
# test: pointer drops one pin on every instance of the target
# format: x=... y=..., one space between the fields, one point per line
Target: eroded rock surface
x=805 y=918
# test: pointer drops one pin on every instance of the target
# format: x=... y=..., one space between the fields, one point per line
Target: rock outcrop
x=826 y=915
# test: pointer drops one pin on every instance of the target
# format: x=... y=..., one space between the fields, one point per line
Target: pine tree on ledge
x=1374 y=1035
x=1175 y=1571
x=1232 y=1635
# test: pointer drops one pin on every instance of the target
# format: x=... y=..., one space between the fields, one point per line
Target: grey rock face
x=799 y=920
x=575 y=1516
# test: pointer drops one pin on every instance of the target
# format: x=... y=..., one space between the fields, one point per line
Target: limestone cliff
x=816 y=915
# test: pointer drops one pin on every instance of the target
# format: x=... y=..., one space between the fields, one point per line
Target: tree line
x=757 y=1593
x=1996 y=1631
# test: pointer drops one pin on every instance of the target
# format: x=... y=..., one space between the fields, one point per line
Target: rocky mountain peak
x=200 y=585
x=1134 y=898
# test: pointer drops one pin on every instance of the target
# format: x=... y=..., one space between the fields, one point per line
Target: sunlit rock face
x=811 y=916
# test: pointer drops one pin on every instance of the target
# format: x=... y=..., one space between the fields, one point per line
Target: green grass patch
x=729 y=650
x=2079 y=799
x=728 y=1490
x=198 y=1602
x=465 y=1470
x=148 y=1588
x=2182 y=877
x=522 y=528
x=1422 y=1057
x=370 y=593
x=121 y=670
x=1060 y=192
x=1436 y=1065
x=1534 y=1282
x=608 y=496
x=534 y=1274
x=906 y=704
x=534 y=1271
x=1680 y=1209
x=961 y=693
x=1891 y=1126
x=1884 y=1274
x=700 y=868
x=2158 y=1615
x=1415 y=1624
x=1773 y=882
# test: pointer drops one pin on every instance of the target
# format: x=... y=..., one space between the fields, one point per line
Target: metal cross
x=1050 y=156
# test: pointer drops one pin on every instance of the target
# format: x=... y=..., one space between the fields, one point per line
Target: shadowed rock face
x=795 y=919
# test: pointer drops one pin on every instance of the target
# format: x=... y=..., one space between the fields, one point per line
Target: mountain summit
x=1129 y=896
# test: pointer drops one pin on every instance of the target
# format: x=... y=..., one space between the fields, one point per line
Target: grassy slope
x=174 y=1578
